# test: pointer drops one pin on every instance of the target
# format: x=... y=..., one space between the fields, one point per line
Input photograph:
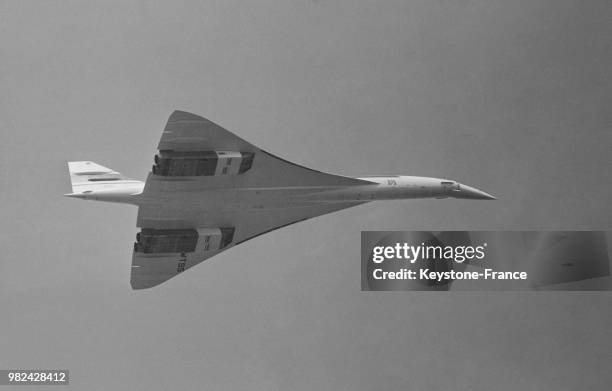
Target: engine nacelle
x=202 y=163
x=163 y=241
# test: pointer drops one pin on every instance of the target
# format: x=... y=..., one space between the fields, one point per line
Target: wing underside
x=149 y=270
x=187 y=133
x=195 y=201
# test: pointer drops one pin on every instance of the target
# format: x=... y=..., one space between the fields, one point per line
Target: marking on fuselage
x=180 y=267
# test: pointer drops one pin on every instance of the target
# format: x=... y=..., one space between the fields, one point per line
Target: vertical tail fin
x=89 y=176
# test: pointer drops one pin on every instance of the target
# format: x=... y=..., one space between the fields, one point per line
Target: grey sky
x=512 y=97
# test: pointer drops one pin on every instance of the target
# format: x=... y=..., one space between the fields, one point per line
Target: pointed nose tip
x=471 y=193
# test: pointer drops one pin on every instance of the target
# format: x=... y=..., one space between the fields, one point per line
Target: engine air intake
x=202 y=163
x=162 y=241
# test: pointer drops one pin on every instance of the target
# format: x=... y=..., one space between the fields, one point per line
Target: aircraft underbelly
x=246 y=199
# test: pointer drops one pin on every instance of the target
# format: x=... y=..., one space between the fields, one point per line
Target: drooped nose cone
x=471 y=193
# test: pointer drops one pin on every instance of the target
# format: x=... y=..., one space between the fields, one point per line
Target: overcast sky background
x=512 y=97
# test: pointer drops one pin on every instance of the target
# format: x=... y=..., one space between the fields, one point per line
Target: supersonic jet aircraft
x=210 y=190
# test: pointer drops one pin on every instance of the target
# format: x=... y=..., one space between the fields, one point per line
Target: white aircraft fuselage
x=383 y=188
